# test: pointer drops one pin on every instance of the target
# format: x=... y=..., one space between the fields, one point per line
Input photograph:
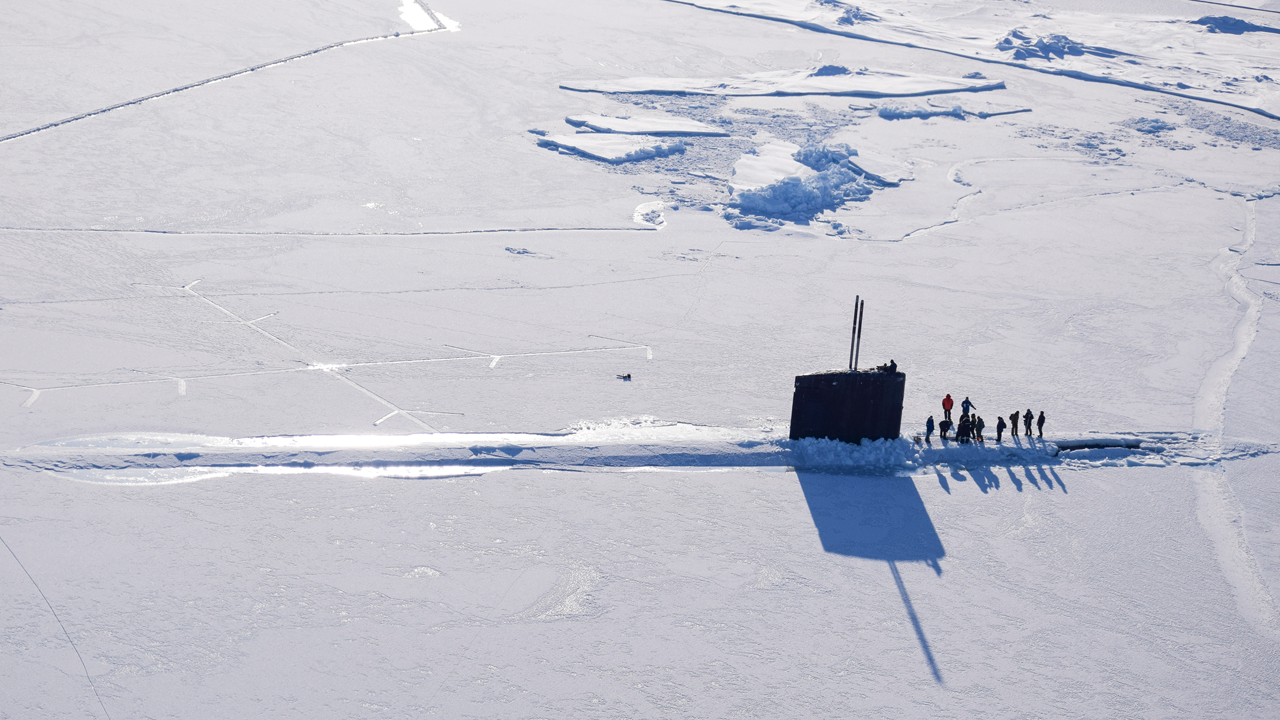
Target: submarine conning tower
x=850 y=405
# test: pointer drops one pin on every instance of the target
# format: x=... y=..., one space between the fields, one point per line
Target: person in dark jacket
x=1027 y=417
x=928 y=429
x=978 y=426
x=944 y=427
x=1040 y=425
x=1013 y=424
x=1000 y=426
x=947 y=404
x=967 y=407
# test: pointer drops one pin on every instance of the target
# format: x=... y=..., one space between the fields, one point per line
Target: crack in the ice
x=219 y=78
x=70 y=642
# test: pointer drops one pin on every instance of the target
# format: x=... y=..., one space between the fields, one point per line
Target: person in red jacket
x=947 y=404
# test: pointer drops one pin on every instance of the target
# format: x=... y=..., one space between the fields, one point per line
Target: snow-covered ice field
x=312 y=317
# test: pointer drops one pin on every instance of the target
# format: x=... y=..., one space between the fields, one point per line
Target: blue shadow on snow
x=877 y=518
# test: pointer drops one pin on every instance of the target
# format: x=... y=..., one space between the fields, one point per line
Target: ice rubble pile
x=894 y=112
x=1230 y=26
x=838 y=179
x=1024 y=47
x=1150 y=126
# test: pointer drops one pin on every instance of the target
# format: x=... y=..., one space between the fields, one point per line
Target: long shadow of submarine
x=877 y=518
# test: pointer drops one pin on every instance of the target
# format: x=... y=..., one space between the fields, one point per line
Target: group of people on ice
x=971 y=425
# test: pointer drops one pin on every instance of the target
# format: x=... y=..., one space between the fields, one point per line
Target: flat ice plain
x=310 y=344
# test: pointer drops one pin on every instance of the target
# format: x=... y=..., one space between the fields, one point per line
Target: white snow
x=415 y=15
x=644 y=125
x=809 y=81
x=312 y=396
x=612 y=148
x=767 y=164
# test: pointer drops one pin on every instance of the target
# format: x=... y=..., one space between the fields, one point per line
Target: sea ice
x=770 y=163
x=811 y=81
x=644 y=125
x=611 y=148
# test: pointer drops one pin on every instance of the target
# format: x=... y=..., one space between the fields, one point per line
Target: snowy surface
x=644 y=125
x=611 y=148
x=312 y=396
x=809 y=81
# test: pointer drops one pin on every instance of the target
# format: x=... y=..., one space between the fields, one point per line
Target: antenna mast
x=862 y=308
x=853 y=339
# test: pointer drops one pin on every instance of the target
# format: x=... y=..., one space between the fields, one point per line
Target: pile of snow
x=834 y=177
x=1024 y=47
x=767 y=164
x=1150 y=126
x=896 y=112
x=661 y=126
x=1230 y=26
x=801 y=199
x=1228 y=128
x=610 y=148
x=826 y=80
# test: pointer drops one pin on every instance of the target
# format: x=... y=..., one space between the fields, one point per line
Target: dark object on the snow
x=943 y=428
x=1000 y=426
x=1027 y=417
x=928 y=429
x=1013 y=423
x=626 y=377
x=848 y=406
x=1040 y=424
x=978 y=426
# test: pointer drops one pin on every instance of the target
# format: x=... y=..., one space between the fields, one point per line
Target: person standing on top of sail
x=947 y=404
x=967 y=407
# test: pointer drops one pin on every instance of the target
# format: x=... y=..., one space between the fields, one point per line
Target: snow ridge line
x=1211 y=401
x=1073 y=74
x=1222 y=518
x=64 y=627
x=219 y=78
x=1238 y=7
x=264 y=233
